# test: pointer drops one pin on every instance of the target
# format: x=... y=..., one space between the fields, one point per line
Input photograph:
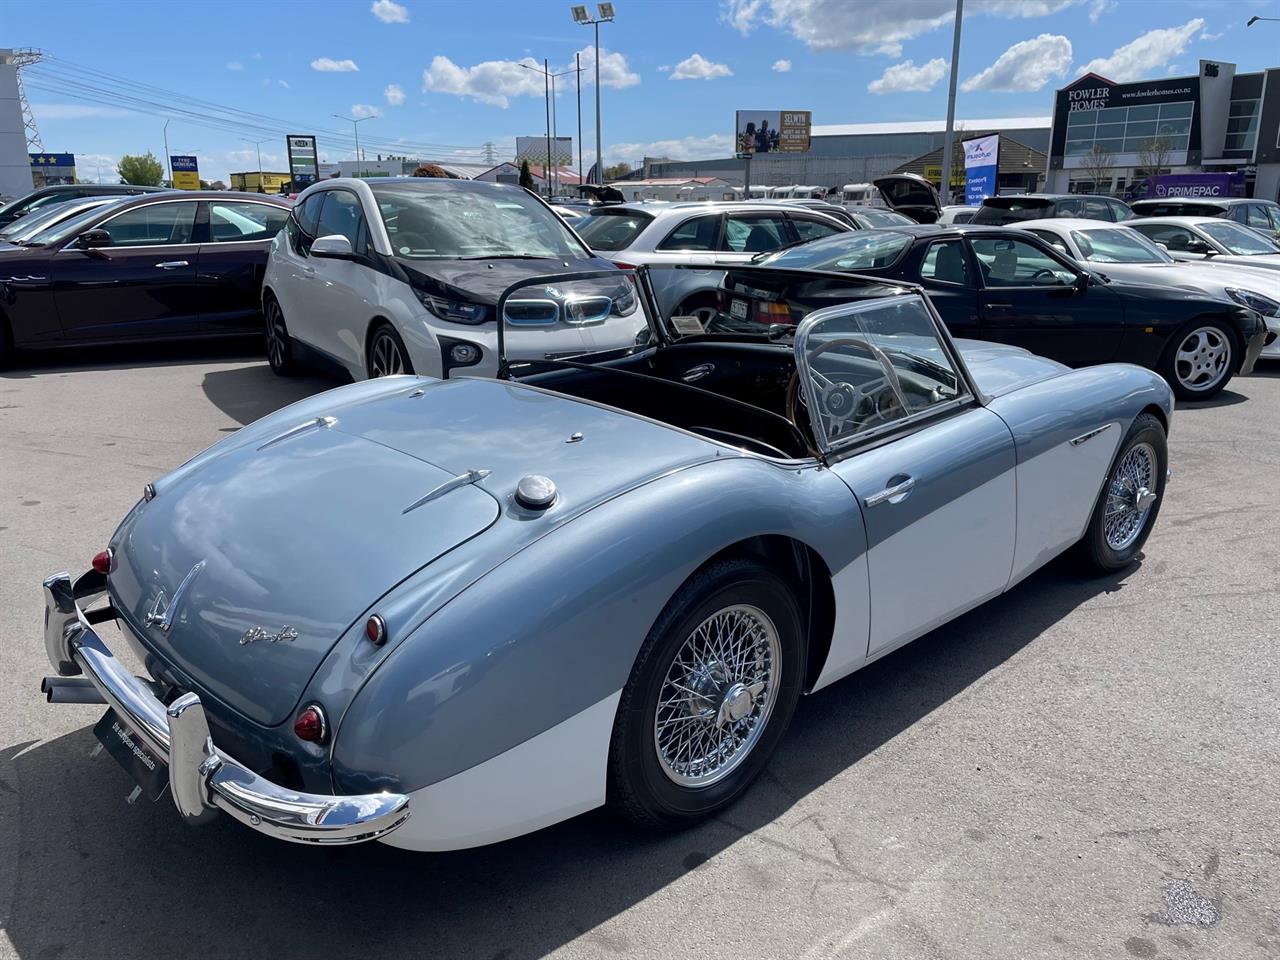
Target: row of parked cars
x=409 y=275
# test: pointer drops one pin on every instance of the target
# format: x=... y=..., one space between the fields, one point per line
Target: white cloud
x=685 y=148
x=75 y=111
x=1025 y=67
x=283 y=83
x=1211 y=36
x=870 y=26
x=906 y=77
x=388 y=11
x=359 y=110
x=698 y=67
x=394 y=94
x=235 y=65
x=496 y=82
x=1147 y=54
x=781 y=66
x=329 y=65
x=1099 y=7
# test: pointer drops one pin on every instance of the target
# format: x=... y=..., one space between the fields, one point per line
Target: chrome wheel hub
x=1202 y=359
x=1130 y=496
x=385 y=357
x=717 y=696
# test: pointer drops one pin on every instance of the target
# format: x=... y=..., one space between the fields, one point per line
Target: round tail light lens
x=102 y=562
x=375 y=628
x=310 y=725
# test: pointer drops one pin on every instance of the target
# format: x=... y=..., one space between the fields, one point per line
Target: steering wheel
x=1044 y=272
x=837 y=402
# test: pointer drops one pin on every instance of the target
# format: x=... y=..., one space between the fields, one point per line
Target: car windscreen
x=853 y=252
x=448 y=224
x=1001 y=210
x=883 y=218
x=1175 y=208
x=1238 y=240
x=65 y=229
x=1118 y=246
x=33 y=223
x=612 y=229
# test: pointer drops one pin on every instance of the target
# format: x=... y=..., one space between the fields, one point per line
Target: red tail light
x=624 y=266
x=102 y=562
x=310 y=725
x=773 y=313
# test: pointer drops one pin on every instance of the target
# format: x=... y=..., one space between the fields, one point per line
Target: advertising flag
x=981 y=162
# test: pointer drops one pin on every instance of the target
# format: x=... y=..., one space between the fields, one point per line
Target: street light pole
x=606 y=15
x=168 y=162
x=577 y=64
x=546 y=92
x=262 y=187
x=355 y=125
x=948 y=138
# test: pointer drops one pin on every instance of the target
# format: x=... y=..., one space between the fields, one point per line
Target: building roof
x=1015 y=157
x=671 y=181
x=930 y=126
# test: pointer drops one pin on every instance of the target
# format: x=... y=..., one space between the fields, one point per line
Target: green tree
x=142 y=170
x=617 y=171
x=526 y=178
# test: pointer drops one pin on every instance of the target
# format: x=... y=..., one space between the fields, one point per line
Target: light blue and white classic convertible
x=442 y=613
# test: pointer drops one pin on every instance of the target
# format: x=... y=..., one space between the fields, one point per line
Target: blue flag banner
x=981 y=163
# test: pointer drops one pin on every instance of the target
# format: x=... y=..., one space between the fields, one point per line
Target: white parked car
x=1209 y=238
x=1121 y=252
x=405 y=275
x=726 y=232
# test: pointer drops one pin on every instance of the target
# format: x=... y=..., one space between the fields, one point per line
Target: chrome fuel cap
x=535 y=492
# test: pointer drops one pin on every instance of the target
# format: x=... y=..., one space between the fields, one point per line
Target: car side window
x=1053 y=240
x=1068 y=208
x=1097 y=210
x=231 y=222
x=699 y=233
x=945 y=262
x=1120 y=211
x=1257 y=216
x=1015 y=263
x=301 y=226
x=754 y=233
x=156 y=224
x=342 y=215
x=809 y=228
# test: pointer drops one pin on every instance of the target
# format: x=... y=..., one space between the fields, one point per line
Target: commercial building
x=1106 y=135
x=269 y=181
x=1020 y=168
x=852 y=152
x=401 y=167
x=15 y=165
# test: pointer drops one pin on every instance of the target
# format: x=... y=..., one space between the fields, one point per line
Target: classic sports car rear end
x=444 y=613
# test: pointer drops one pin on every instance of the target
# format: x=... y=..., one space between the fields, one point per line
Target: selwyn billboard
x=773 y=131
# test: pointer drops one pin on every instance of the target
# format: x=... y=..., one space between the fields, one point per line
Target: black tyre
x=6 y=344
x=387 y=354
x=1201 y=359
x=1130 y=499
x=710 y=696
x=279 y=345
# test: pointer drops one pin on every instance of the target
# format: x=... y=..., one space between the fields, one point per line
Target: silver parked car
x=635 y=234
x=441 y=613
x=1205 y=238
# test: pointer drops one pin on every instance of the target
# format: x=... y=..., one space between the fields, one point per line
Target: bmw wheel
x=712 y=691
x=1200 y=360
x=279 y=346
x=1130 y=499
x=387 y=354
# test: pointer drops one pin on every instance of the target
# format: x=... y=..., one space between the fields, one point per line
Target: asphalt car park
x=1081 y=767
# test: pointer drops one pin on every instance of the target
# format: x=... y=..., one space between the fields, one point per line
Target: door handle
x=698 y=372
x=998 y=305
x=894 y=493
x=173 y=264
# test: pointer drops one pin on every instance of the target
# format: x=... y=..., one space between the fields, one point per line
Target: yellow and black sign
x=186 y=173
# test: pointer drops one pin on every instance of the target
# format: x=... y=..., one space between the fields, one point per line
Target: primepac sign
x=981 y=167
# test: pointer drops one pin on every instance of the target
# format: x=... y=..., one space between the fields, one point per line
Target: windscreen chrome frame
x=967 y=395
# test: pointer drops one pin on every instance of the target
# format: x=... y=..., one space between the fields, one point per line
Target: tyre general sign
x=186 y=172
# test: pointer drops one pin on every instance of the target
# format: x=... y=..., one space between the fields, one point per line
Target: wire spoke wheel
x=385 y=356
x=1203 y=358
x=1130 y=496
x=717 y=696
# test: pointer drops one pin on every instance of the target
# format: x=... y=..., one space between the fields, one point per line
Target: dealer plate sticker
x=131 y=752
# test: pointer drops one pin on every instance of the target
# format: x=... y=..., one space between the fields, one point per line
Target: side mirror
x=1083 y=281
x=333 y=247
x=91 y=239
x=1163 y=246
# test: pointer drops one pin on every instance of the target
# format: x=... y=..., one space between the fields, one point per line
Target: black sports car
x=47 y=197
x=160 y=266
x=993 y=283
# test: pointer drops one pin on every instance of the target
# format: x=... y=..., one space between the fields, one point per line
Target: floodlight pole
x=948 y=138
x=595 y=22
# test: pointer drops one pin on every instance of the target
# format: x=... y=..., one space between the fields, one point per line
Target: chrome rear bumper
x=202 y=779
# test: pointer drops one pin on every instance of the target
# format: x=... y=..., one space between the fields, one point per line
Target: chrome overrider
x=202 y=779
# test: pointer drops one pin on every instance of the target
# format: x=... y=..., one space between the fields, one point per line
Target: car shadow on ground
x=249 y=392
x=94 y=877
x=1227 y=398
x=34 y=363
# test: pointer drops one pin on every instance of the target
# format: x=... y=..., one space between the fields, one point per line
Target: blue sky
x=442 y=74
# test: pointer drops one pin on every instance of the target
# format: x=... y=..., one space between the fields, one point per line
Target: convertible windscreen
x=1118 y=246
x=1238 y=240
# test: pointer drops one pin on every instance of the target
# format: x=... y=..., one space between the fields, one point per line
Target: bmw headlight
x=624 y=304
x=455 y=311
x=1254 y=301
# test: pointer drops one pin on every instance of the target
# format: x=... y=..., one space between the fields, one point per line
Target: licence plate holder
x=149 y=772
x=738 y=309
